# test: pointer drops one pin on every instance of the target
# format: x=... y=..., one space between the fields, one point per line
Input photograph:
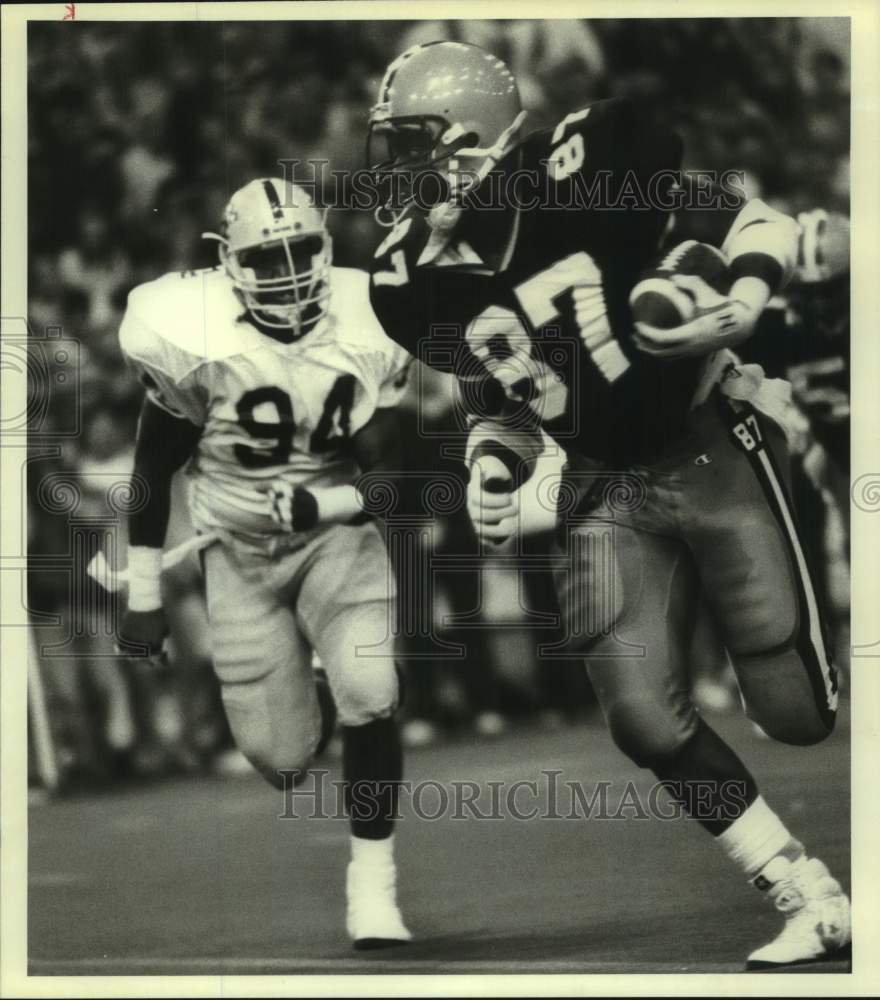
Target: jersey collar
x=450 y=250
x=445 y=250
x=285 y=337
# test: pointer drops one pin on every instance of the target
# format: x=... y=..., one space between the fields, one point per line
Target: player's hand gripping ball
x=681 y=306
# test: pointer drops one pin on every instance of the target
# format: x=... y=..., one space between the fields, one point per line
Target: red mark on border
x=71 y=12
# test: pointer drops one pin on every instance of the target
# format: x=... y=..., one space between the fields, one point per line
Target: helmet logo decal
x=385 y=86
x=274 y=200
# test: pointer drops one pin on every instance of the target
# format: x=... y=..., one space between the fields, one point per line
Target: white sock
x=756 y=837
x=372 y=852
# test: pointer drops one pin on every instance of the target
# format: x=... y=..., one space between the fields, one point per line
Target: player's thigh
x=345 y=607
x=741 y=527
x=263 y=663
x=626 y=598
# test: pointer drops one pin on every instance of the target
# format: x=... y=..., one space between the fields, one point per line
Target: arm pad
x=762 y=243
x=164 y=443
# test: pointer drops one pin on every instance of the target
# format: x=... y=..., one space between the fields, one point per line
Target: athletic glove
x=491 y=502
x=293 y=508
x=296 y=508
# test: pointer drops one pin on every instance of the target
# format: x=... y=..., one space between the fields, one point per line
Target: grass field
x=201 y=876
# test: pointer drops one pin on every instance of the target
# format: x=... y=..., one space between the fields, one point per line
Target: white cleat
x=817 y=914
x=372 y=915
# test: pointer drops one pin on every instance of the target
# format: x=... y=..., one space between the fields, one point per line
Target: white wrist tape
x=144 y=574
x=338 y=503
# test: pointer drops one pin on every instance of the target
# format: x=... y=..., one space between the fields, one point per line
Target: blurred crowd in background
x=139 y=132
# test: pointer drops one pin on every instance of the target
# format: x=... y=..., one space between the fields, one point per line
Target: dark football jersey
x=528 y=304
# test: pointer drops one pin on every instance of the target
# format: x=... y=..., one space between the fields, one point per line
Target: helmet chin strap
x=443 y=218
x=386 y=216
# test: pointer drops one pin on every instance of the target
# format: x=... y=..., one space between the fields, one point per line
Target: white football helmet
x=276 y=249
x=823 y=248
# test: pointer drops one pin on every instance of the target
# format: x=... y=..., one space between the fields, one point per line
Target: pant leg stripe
x=815 y=627
x=809 y=641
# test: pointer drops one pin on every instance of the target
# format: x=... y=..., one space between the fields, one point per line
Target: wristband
x=323 y=507
x=339 y=504
x=144 y=574
x=755 y=270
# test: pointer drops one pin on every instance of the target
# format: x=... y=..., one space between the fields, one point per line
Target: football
x=659 y=302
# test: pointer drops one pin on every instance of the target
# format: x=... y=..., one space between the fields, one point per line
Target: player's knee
x=284 y=767
x=647 y=732
x=277 y=760
x=787 y=725
x=367 y=694
x=782 y=699
x=243 y=665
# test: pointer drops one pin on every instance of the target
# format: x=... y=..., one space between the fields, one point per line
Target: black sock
x=372 y=765
x=709 y=780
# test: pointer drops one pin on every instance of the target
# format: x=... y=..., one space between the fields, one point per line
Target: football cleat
x=372 y=916
x=817 y=914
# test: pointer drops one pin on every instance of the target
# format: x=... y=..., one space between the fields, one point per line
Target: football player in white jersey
x=271 y=380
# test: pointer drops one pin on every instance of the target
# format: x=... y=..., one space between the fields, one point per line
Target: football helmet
x=823 y=248
x=276 y=249
x=446 y=107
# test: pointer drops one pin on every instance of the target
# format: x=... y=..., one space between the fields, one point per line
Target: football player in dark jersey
x=509 y=263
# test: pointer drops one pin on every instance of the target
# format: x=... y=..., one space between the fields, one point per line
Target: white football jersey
x=268 y=409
